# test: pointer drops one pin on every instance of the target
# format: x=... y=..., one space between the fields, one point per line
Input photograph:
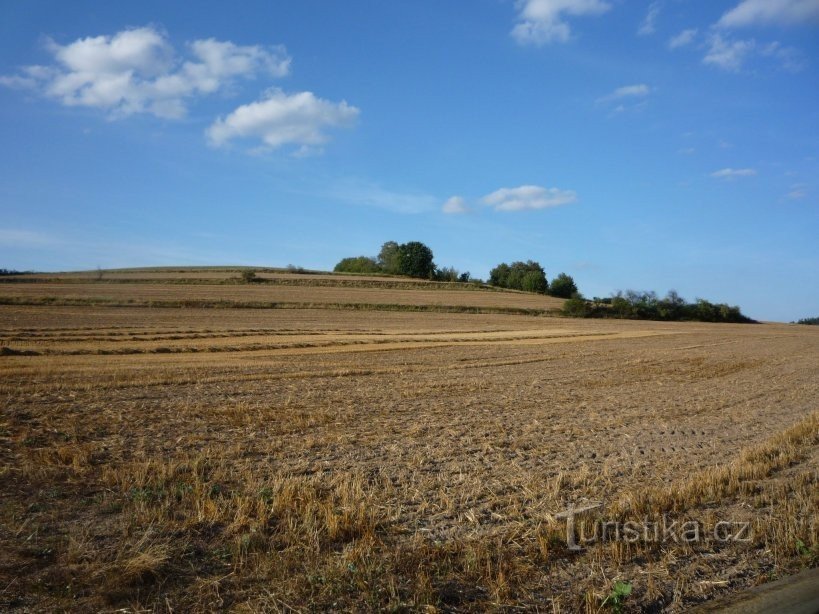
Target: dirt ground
x=308 y=459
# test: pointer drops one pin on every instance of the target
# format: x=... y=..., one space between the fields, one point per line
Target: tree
x=563 y=286
x=416 y=260
x=447 y=273
x=528 y=276
x=499 y=276
x=249 y=276
x=389 y=258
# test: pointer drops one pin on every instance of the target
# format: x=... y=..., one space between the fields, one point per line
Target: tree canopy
x=528 y=276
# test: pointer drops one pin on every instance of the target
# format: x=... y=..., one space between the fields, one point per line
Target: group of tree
x=6 y=272
x=529 y=276
x=813 y=321
x=634 y=305
x=412 y=259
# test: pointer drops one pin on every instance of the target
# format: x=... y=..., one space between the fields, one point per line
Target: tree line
x=414 y=259
x=634 y=305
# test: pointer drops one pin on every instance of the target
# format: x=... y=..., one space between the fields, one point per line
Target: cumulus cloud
x=733 y=173
x=543 y=21
x=528 y=197
x=139 y=71
x=726 y=54
x=684 y=38
x=455 y=205
x=649 y=23
x=764 y=12
x=283 y=119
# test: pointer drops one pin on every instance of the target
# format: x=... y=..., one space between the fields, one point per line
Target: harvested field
x=165 y=294
x=193 y=459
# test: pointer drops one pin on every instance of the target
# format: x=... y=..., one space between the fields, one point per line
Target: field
x=177 y=441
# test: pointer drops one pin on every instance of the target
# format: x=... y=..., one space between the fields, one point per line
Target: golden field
x=369 y=447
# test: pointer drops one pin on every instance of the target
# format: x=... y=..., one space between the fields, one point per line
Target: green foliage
x=389 y=258
x=635 y=305
x=413 y=259
x=528 y=276
x=617 y=596
x=249 y=276
x=563 y=286
x=447 y=274
x=359 y=264
x=577 y=307
x=416 y=260
x=812 y=321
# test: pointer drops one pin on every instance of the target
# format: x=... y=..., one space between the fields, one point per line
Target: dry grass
x=321 y=459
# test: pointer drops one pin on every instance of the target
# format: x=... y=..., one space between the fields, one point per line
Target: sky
x=650 y=145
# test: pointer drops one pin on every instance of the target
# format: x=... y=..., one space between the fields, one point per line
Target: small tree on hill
x=416 y=260
x=563 y=286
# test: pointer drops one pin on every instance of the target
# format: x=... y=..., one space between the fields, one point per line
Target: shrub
x=359 y=264
x=577 y=307
x=249 y=276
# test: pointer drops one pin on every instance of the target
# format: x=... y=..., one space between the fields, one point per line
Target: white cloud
x=687 y=151
x=639 y=90
x=798 y=191
x=762 y=12
x=789 y=57
x=138 y=71
x=728 y=55
x=283 y=119
x=686 y=37
x=649 y=24
x=542 y=21
x=733 y=173
x=528 y=197
x=455 y=205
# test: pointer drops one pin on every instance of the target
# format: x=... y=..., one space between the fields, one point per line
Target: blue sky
x=641 y=144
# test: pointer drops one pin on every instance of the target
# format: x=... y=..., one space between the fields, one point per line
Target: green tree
x=389 y=258
x=416 y=260
x=499 y=276
x=528 y=276
x=563 y=286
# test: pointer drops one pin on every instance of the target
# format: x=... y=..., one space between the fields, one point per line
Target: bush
x=577 y=307
x=249 y=276
x=359 y=264
x=563 y=286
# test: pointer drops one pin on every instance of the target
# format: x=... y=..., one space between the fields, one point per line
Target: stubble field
x=298 y=459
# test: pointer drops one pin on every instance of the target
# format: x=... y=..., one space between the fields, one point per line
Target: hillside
x=212 y=286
